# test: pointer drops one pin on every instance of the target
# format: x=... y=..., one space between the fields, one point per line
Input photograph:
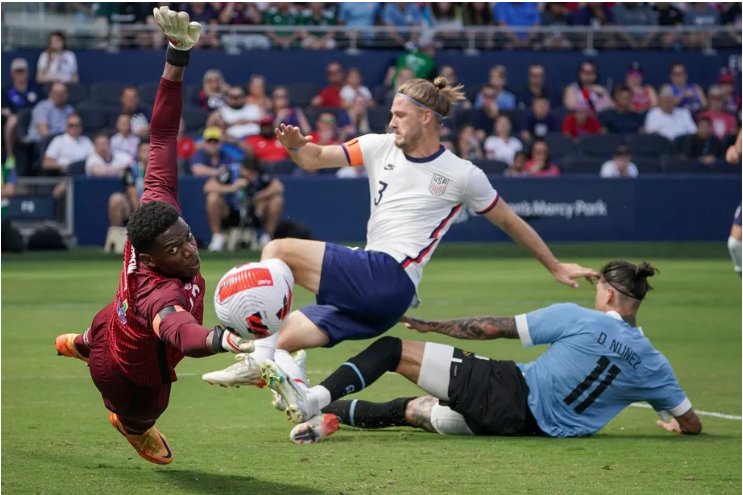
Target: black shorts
x=491 y=395
x=232 y=219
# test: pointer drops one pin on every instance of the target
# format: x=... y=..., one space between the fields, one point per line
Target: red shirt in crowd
x=571 y=127
x=267 y=150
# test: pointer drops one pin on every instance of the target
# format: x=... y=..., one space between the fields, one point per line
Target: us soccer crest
x=438 y=184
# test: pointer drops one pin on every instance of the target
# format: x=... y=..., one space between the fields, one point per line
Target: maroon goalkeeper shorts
x=141 y=406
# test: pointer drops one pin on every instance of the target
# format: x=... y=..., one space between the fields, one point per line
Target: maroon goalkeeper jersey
x=135 y=350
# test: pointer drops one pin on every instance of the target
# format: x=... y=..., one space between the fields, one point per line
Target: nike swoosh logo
x=167 y=447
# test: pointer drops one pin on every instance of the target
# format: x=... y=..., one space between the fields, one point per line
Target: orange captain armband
x=162 y=314
x=352 y=149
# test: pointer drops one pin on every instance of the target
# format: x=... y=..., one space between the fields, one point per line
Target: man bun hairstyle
x=629 y=279
x=149 y=221
x=438 y=96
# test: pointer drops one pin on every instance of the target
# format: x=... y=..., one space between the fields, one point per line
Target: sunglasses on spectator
x=212 y=140
x=73 y=124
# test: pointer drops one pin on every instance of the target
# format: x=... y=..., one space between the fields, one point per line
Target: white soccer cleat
x=315 y=429
x=217 y=243
x=278 y=402
x=300 y=405
x=245 y=371
x=300 y=357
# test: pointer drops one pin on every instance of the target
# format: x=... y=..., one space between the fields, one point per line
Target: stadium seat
x=581 y=164
x=300 y=94
x=559 y=145
x=647 y=164
x=649 y=145
x=676 y=165
x=194 y=117
x=94 y=117
x=599 y=145
x=148 y=91
x=380 y=93
x=379 y=117
x=77 y=93
x=492 y=167
x=679 y=143
x=283 y=167
x=107 y=93
x=76 y=168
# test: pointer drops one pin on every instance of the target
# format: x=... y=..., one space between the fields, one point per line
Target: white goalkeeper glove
x=181 y=34
x=228 y=341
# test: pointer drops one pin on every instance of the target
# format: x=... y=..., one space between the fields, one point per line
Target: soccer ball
x=255 y=298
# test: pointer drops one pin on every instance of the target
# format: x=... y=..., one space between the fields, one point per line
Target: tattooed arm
x=476 y=328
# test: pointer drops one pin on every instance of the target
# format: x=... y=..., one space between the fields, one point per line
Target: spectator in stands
x=317 y=15
x=207 y=14
x=723 y=123
x=519 y=18
x=535 y=87
x=668 y=120
x=243 y=14
x=469 y=144
x=421 y=61
x=699 y=15
x=580 y=122
x=620 y=166
x=450 y=74
x=49 y=116
x=703 y=145
x=668 y=16
x=282 y=14
x=69 y=147
x=518 y=167
x=621 y=119
x=448 y=19
x=125 y=140
x=730 y=96
x=586 y=91
x=594 y=14
x=357 y=15
x=539 y=121
x=17 y=95
x=497 y=80
x=478 y=14
x=326 y=130
x=502 y=146
x=185 y=145
x=56 y=63
x=122 y=204
x=404 y=75
x=556 y=14
x=354 y=88
x=730 y=17
x=130 y=105
x=484 y=117
x=688 y=95
x=265 y=146
x=539 y=164
x=644 y=96
x=256 y=94
x=406 y=15
x=359 y=117
x=330 y=95
x=244 y=197
x=240 y=117
x=211 y=95
x=635 y=14
x=211 y=159
x=285 y=113
x=104 y=161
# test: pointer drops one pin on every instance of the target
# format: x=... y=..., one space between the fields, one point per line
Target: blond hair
x=213 y=73
x=438 y=95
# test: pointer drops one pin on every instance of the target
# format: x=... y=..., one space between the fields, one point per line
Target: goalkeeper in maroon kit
x=134 y=343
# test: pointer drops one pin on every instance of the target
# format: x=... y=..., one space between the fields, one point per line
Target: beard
x=408 y=143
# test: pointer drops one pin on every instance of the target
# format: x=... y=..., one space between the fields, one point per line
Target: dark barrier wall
x=281 y=67
x=568 y=209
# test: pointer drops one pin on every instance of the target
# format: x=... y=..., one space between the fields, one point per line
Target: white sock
x=289 y=366
x=734 y=246
x=321 y=395
x=265 y=348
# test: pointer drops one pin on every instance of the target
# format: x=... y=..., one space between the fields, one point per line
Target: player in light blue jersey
x=599 y=362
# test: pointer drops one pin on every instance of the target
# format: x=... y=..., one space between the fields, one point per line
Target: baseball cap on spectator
x=635 y=69
x=622 y=150
x=19 y=64
x=212 y=133
x=725 y=78
x=266 y=120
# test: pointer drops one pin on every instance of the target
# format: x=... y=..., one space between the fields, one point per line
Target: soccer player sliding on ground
x=599 y=362
x=134 y=343
x=417 y=188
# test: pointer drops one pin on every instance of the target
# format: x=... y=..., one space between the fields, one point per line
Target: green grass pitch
x=56 y=438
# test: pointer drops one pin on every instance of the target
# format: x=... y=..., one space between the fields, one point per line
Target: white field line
x=711 y=414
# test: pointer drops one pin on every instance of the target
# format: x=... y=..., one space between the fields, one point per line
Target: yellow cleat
x=151 y=445
x=65 y=345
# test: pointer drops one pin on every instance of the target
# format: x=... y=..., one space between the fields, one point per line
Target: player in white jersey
x=598 y=362
x=417 y=187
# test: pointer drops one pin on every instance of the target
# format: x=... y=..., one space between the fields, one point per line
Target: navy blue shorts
x=362 y=294
x=736 y=219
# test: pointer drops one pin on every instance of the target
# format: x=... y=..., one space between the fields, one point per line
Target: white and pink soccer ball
x=255 y=298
